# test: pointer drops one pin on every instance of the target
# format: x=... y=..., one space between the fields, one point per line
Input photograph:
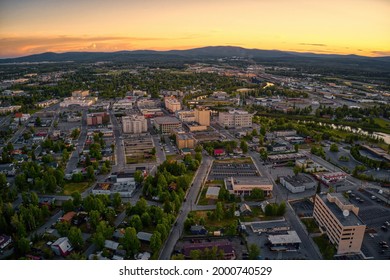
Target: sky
x=359 y=27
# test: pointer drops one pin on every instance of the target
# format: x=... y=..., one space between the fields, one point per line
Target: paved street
x=120 y=159
x=74 y=158
x=308 y=244
x=187 y=206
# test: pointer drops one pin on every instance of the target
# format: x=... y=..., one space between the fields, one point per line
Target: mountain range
x=211 y=52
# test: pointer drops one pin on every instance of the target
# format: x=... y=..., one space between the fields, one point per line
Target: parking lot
x=221 y=170
x=303 y=208
x=265 y=253
x=374 y=214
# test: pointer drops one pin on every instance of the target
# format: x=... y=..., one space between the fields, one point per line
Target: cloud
x=313 y=44
x=26 y=45
x=381 y=53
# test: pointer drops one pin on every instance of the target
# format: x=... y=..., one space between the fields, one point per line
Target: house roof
x=219 y=151
x=112 y=245
x=68 y=216
x=63 y=244
x=144 y=236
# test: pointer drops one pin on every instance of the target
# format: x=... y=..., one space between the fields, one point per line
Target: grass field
x=70 y=188
x=327 y=249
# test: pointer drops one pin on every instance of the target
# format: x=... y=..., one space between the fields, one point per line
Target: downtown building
x=235 y=119
x=338 y=218
x=134 y=124
x=172 y=104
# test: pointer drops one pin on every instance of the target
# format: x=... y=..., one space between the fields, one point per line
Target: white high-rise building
x=134 y=124
x=235 y=119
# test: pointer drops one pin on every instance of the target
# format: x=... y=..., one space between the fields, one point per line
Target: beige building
x=202 y=116
x=166 y=125
x=134 y=124
x=80 y=93
x=339 y=219
x=245 y=185
x=172 y=104
x=46 y=103
x=9 y=109
x=184 y=140
x=186 y=116
x=235 y=119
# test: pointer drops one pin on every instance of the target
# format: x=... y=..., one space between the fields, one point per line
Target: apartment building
x=235 y=119
x=339 y=219
x=202 y=116
x=172 y=104
x=166 y=125
x=134 y=124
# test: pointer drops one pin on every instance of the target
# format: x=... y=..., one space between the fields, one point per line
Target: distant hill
x=349 y=61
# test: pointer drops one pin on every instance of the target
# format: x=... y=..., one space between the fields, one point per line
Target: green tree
x=244 y=146
x=23 y=246
x=135 y=222
x=75 y=238
x=130 y=241
x=257 y=194
x=296 y=170
x=219 y=212
x=116 y=201
x=90 y=173
x=138 y=176
x=281 y=209
x=155 y=242
x=253 y=252
x=77 y=199
x=334 y=148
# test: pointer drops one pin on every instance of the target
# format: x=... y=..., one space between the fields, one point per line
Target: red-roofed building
x=219 y=152
x=68 y=217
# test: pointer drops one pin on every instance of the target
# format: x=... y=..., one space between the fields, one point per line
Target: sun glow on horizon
x=359 y=27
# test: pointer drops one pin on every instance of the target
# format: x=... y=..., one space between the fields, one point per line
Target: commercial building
x=285 y=242
x=202 y=116
x=9 y=109
x=166 y=125
x=98 y=118
x=212 y=192
x=80 y=93
x=270 y=226
x=148 y=103
x=79 y=101
x=339 y=219
x=124 y=104
x=235 y=119
x=186 y=116
x=172 y=104
x=151 y=112
x=333 y=177
x=46 y=103
x=298 y=183
x=184 y=140
x=309 y=165
x=134 y=124
x=245 y=185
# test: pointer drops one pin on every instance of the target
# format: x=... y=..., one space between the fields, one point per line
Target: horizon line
x=186 y=49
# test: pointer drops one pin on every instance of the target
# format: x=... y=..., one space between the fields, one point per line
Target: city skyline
x=351 y=27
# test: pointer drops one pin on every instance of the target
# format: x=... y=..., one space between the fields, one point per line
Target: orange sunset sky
x=334 y=26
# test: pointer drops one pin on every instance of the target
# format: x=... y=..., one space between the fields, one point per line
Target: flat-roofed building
x=9 y=109
x=202 y=116
x=166 y=125
x=172 y=104
x=284 y=242
x=298 y=183
x=98 y=118
x=235 y=119
x=46 y=103
x=186 y=116
x=212 y=192
x=80 y=93
x=134 y=124
x=245 y=185
x=333 y=177
x=185 y=140
x=339 y=219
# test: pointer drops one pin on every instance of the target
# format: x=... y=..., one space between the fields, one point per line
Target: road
x=120 y=159
x=307 y=243
x=187 y=206
x=74 y=158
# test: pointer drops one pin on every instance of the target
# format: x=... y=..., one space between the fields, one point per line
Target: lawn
x=311 y=226
x=70 y=188
x=382 y=122
x=235 y=160
x=134 y=160
x=327 y=249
